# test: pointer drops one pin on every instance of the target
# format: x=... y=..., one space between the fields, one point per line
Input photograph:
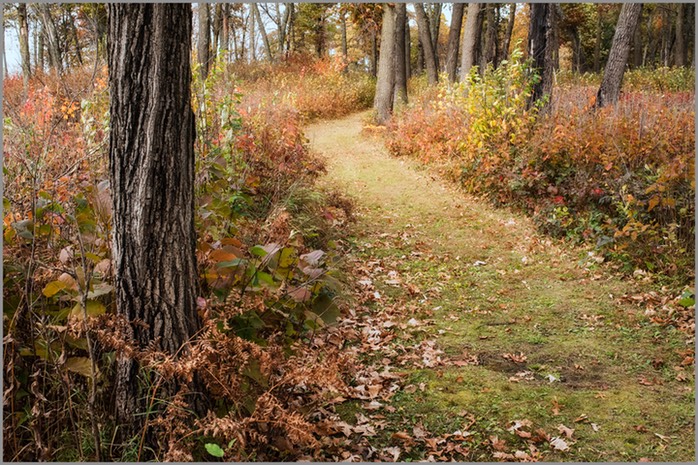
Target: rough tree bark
x=427 y=45
x=408 y=48
x=509 y=32
x=383 y=102
x=454 y=40
x=609 y=91
x=151 y=165
x=471 y=38
x=543 y=48
x=24 y=45
x=203 y=48
x=400 y=64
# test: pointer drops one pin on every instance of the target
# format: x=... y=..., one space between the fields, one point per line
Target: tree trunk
x=263 y=31
x=680 y=42
x=225 y=33
x=151 y=164
x=24 y=46
x=345 y=50
x=427 y=46
x=509 y=32
x=204 y=45
x=383 y=103
x=51 y=36
x=374 y=52
x=76 y=39
x=471 y=38
x=618 y=56
x=408 y=48
x=400 y=45
x=253 y=38
x=217 y=26
x=40 y=61
x=490 y=50
x=542 y=48
x=454 y=40
x=435 y=25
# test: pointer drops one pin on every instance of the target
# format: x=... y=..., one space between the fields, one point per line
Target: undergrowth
x=620 y=179
x=268 y=246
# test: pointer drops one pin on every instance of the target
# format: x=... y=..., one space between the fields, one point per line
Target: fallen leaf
x=565 y=430
x=559 y=444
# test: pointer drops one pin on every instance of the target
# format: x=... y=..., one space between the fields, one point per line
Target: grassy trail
x=491 y=323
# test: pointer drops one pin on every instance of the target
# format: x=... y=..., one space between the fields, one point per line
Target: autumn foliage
x=621 y=179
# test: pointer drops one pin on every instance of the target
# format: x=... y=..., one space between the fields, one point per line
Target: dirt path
x=490 y=324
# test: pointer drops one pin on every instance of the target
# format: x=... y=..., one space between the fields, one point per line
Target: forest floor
x=487 y=340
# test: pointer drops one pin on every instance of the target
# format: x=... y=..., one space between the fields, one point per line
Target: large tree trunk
x=618 y=56
x=151 y=165
x=637 y=47
x=680 y=42
x=427 y=45
x=383 y=103
x=24 y=45
x=225 y=33
x=400 y=45
x=509 y=32
x=51 y=36
x=471 y=39
x=216 y=28
x=203 y=49
x=490 y=50
x=542 y=48
x=454 y=40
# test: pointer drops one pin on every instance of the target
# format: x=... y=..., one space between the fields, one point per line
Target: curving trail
x=489 y=323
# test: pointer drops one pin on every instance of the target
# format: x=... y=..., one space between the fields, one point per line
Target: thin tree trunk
x=427 y=46
x=151 y=165
x=253 y=38
x=509 y=32
x=383 y=102
x=225 y=33
x=263 y=32
x=490 y=50
x=217 y=26
x=435 y=25
x=41 y=63
x=679 y=43
x=374 y=53
x=471 y=37
x=74 y=32
x=454 y=40
x=203 y=45
x=24 y=46
x=400 y=64
x=408 y=48
x=609 y=92
x=345 y=51
x=51 y=36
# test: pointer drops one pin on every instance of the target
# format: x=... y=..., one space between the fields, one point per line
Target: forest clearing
x=349 y=232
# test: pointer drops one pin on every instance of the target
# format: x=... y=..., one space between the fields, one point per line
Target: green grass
x=544 y=305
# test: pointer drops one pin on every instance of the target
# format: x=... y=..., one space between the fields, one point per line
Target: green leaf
x=214 y=449
x=53 y=288
x=687 y=299
x=258 y=251
x=232 y=263
x=326 y=309
x=287 y=257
